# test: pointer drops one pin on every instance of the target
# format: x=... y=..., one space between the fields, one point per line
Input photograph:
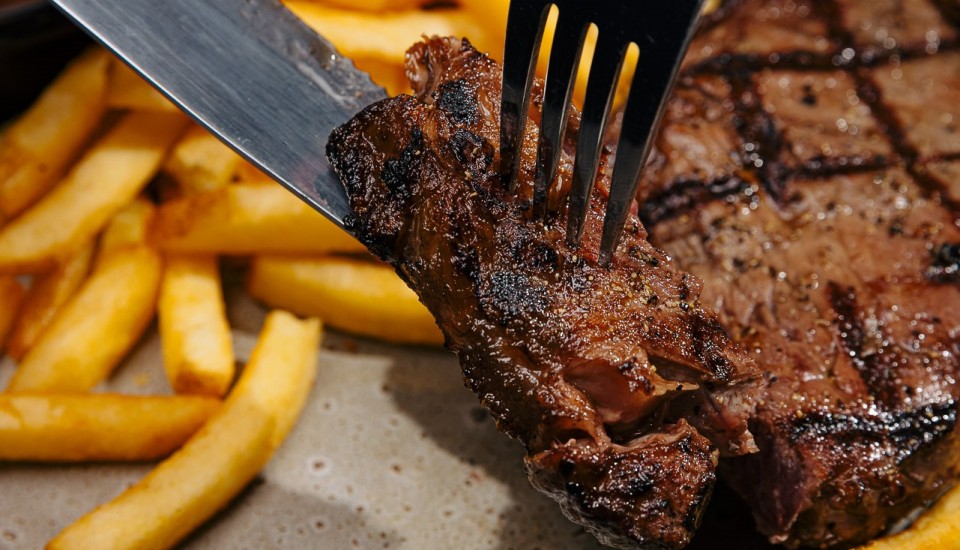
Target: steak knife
x=249 y=71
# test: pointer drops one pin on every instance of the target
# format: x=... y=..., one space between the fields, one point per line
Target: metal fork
x=661 y=29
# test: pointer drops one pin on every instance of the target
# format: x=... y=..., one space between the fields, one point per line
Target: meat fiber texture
x=808 y=171
x=623 y=387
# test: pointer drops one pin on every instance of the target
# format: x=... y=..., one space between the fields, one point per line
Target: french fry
x=72 y=428
x=248 y=173
x=46 y=297
x=96 y=328
x=376 y=6
x=494 y=13
x=127 y=228
x=201 y=162
x=108 y=176
x=217 y=462
x=38 y=147
x=11 y=296
x=389 y=75
x=351 y=295
x=586 y=59
x=128 y=90
x=183 y=491
x=936 y=528
x=197 y=347
x=387 y=36
x=247 y=219
x=492 y=16
x=281 y=370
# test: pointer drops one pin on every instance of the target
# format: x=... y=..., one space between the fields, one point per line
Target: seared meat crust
x=621 y=385
x=807 y=172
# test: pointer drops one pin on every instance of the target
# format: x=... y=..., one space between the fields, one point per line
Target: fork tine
x=606 y=65
x=652 y=78
x=521 y=49
x=631 y=156
x=564 y=59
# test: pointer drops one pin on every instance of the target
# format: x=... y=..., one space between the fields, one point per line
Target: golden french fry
x=387 y=36
x=376 y=6
x=108 y=176
x=583 y=70
x=197 y=347
x=494 y=13
x=389 y=75
x=70 y=428
x=221 y=458
x=96 y=328
x=351 y=295
x=11 y=297
x=936 y=528
x=247 y=219
x=127 y=228
x=183 y=491
x=38 y=147
x=492 y=16
x=281 y=370
x=201 y=162
x=247 y=172
x=46 y=297
x=128 y=90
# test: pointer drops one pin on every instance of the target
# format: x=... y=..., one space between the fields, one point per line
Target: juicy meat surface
x=622 y=386
x=807 y=172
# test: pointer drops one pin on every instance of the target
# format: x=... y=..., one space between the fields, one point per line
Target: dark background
x=36 y=41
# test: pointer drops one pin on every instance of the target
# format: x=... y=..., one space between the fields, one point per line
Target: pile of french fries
x=116 y=210
x=82 y=276
x=115 y=214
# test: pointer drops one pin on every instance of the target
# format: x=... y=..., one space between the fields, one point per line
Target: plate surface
x=391 y=452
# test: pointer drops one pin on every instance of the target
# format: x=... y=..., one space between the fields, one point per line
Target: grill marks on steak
x=621 y=385
x=827 y=239
x=846 y=326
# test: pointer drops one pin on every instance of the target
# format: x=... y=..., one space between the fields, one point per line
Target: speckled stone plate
x=391 y=452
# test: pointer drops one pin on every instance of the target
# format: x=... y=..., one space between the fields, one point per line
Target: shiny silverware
x=248 y=70
x=661 y=29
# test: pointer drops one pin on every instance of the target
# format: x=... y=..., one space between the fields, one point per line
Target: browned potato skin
x=78 y=428
x=96 y=329
x=37 y=147
x=197 y=345
x=356 y=296
x=376 y=6
x=11 y=296
x=201 y=162
x=220 y=459
x=127 y=90
x=247 y=218
x=108 y=176
x=47 y=295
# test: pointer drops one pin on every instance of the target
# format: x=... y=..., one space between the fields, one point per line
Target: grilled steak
x=808 y=171
x=621 y=385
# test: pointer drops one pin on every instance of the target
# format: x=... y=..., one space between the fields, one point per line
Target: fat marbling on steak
x=808 y=171
x=623 y=388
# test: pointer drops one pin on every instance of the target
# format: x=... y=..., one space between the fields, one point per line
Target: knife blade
x=249 y=71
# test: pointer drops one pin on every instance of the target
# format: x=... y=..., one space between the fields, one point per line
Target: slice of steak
x=622 y=386
x=822 y=216
x=856 y=423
